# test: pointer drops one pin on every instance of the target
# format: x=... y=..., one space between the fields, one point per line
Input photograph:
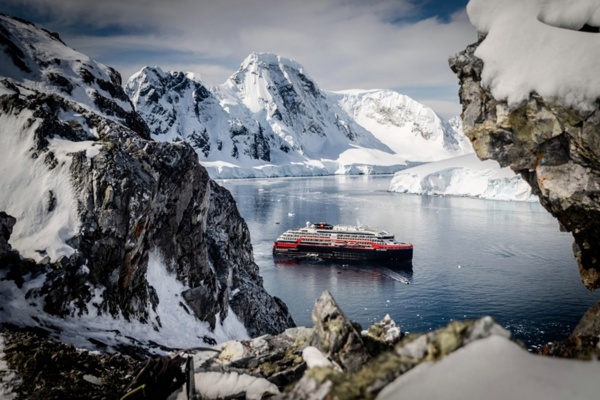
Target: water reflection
x=399 y=271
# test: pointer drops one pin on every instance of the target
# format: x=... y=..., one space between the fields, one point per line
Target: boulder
x=589 y=325
x=382 y=335
x=335 y=335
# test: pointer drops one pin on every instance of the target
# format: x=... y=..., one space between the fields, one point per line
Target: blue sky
x=395 y=44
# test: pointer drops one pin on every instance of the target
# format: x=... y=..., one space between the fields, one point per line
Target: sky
x=402 y=45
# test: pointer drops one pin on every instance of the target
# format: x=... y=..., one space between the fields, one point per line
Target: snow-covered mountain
x=464 y=176
x=117 y=240
x=270 y=118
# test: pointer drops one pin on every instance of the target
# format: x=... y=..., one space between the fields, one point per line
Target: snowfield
x=463 y=176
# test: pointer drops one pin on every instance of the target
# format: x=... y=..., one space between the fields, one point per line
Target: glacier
x=270 y=119
x=466 y=176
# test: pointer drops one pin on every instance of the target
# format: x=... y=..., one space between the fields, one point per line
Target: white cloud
x=342 y=43
x=446 y=109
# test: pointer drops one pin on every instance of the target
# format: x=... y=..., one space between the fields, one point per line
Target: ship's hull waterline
x=404 y=254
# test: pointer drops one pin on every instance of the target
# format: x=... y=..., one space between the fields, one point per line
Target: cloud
x=446 y=109
x=341 y=43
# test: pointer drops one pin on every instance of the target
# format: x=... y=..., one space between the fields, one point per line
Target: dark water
x=514 y=262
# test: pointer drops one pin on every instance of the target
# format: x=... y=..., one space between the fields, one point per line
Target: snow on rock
x=176 y=328
x=497 y=368
x=314 y=358
x=214 y=385
x=39 y=60
x=464 y=176
x=411 y=129
x=270 y=118
x=114 y=232
x=522 y=43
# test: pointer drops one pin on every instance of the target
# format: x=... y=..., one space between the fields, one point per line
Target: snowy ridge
x=51 y=67
x=464 y=176
x=270 y=118
x=409 y=128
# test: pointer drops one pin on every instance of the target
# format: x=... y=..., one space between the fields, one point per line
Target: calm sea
x=471 y=257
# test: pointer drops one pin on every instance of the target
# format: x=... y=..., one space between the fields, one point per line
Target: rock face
x=555 y=149
x=127 y=228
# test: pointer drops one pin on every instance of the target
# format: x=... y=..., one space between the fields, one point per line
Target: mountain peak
x=261 y=60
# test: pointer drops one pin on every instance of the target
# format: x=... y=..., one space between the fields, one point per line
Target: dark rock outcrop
x=6 y=225
x=555 y=149
x=589 y=325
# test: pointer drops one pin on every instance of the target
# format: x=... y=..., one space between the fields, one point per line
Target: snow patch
x=215 y=385
x=42 y=199
x=497 y=369
x=177 y=328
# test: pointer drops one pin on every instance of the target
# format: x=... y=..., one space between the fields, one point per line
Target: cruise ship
x=342 y=242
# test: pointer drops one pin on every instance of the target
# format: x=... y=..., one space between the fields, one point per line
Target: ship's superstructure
x=343 y=242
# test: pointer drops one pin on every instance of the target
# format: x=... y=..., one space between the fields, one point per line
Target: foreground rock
x=116 y=232
x=335 y=335
x=554 y=148
x=331 y=360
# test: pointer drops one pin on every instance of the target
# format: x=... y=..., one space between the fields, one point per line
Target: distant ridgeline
x=270 y=118
x=117 y=240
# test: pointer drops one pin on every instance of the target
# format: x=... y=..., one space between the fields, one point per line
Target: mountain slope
x=118 y=240
x=270 y=118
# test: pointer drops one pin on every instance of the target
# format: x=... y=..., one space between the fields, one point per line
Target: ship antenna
x=308 y=224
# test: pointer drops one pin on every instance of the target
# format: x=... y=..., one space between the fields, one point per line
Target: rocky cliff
x=119 y=236
x=554 y=147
